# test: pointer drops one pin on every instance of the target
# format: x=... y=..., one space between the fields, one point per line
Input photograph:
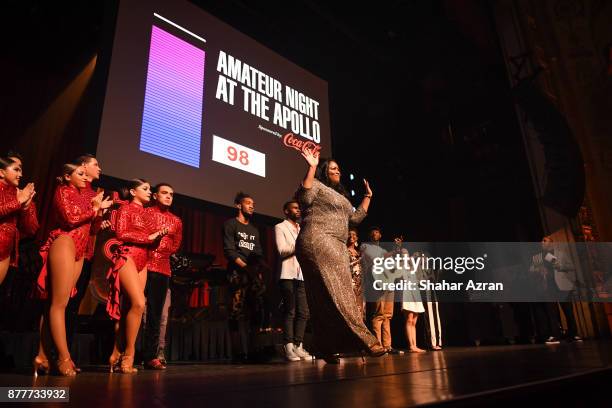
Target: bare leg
x=119 y=346
x=115 y=357
x=61 y=272
x=78 y=267
x=412 y=331
x=411 y=319
x=408 y=318
x=62 y=269
x=4 y=265
x=132 y=284
x=142 y=277
x=41 y=361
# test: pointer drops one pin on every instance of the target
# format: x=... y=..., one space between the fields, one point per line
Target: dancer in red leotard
x=135 y=227
x=63 y=254
x=17 y=213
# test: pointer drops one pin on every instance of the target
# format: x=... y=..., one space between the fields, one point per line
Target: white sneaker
x=290 y=352
x=301 y=352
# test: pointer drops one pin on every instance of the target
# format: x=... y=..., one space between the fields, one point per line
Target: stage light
x=352 y=192
x=351 y=177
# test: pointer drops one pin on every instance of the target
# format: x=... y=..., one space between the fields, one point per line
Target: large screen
x=193 y=102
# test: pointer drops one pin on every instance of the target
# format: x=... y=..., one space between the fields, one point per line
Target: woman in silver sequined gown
x=321 y=251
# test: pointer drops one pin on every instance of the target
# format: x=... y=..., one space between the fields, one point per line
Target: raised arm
x=309 y=187
x=362 y=211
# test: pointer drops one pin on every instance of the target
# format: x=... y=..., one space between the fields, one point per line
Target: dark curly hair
x=241 y=196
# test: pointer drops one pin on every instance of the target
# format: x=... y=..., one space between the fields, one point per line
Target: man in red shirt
x=158 y=270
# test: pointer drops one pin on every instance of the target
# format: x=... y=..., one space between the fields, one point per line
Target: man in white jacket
x=295 y=306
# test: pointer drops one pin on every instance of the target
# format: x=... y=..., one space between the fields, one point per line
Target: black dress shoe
x=331 y=359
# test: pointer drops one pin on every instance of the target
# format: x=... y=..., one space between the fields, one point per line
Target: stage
x=574 y=374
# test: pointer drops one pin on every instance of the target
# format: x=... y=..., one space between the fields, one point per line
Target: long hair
x=322 y=175
x=124 y=192
x=67 y=170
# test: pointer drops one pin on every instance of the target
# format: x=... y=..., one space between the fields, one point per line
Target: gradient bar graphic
x=172 y=117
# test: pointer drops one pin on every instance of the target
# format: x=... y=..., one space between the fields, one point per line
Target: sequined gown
x=356 y=280
x=14 y=219
x=321 y=251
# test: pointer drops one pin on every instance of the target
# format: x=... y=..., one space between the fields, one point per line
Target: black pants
x=72 y=309
x=568 y=311
x=546 y=317
x=155 y=291
x=295 y=310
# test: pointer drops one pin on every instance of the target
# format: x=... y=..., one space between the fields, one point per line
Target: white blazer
x=286 y=235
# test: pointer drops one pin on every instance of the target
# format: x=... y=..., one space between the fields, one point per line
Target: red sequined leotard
x=14 y=219
x=159 y=256
x=72 y=213
x=133 y=226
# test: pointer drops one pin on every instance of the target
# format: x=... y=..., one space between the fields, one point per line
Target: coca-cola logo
x=300 y=145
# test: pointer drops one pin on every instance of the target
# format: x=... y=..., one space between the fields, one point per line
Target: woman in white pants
x=433 y=327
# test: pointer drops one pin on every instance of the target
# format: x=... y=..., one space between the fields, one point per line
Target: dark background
x=420 y=102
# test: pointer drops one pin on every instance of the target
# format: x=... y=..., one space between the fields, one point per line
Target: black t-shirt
x=239 y=241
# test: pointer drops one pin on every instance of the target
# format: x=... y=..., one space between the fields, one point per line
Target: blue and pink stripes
x=172 y=117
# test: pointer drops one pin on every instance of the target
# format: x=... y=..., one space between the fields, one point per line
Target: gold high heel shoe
x=114 y=361
x=65 y=367
x=40 y=365
x=127 y=365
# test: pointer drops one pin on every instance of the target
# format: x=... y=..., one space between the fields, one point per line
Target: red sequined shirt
x=72 y=213
x=159 y=256
x=133 y=226
x=14 y=219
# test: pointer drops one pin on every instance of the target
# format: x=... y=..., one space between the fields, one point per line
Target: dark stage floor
x=455 y=376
